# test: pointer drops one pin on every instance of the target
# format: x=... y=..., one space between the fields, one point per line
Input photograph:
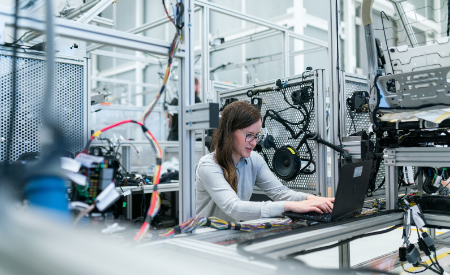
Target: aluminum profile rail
x=258 y=21
x=417 y=156
x=283 y=246
x=71 y=29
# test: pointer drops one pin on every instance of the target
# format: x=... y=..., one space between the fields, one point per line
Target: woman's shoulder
x=208 y=159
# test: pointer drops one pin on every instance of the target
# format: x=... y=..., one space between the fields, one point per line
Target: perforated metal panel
x=274 y=100
x=68 y=108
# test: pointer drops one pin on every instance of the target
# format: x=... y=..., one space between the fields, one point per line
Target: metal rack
x=70 y=102
x=70 y=29
x=314 y=183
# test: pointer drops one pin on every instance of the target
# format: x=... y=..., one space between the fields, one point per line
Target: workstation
x=233 y=136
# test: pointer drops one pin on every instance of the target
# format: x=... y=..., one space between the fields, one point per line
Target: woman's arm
x=270 y=184
x=211 y=177
x=273 y=188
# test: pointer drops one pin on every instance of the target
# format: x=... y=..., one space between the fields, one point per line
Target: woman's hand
x=327 y=202
x=319 y=206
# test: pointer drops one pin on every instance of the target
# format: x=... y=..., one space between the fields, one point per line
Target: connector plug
x=402 y=254
x=428 y=241
x=423 y=246
x=413 y=255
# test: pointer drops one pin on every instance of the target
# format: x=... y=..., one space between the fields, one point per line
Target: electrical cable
x=385 y=39
x=195 y=222
x=448 y=18
x=155 y=201
x=344 y=241
x=83 y=213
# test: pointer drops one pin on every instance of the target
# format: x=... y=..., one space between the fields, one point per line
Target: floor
x=379 y=252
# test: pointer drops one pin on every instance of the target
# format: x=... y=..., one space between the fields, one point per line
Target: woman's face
x=242 y=148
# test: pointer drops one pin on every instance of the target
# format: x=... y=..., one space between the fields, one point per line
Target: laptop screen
x=352 y=188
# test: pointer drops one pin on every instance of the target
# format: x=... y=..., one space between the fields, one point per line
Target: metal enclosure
x=70 y=102
x=313 y=183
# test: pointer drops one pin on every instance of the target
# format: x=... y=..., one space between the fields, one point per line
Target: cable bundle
x=185 y=227
x=155 y=203
x=219 y=224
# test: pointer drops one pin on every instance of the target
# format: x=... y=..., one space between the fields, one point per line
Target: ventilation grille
x=67 y=104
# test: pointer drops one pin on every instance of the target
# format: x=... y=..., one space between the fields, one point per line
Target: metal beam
x=270 y=58
x=103 y=21
x=186 y=137
x=89 y=15
x=258 y=21
x=127 y=57
x=286 y=245
x=335 y=86
x=71 y=29
x=70 y=15
x=120 y=81
x=285 y=54
x=143 y=28
x=239 y=41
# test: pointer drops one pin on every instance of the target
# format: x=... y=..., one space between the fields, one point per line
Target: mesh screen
x=274 y=100
x=360 y=121
x=67 y=106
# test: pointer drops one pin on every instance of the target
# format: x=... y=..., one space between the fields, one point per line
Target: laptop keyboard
x=315 y=215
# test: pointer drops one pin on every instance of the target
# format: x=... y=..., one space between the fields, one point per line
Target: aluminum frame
x=410 y=156
x=283 y=246
x=274 y=29
x=67 y=28
x=339 y=119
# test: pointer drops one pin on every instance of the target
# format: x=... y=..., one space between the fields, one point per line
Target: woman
x=225 y=177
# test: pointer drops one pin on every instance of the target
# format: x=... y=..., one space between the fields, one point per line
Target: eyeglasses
x=250 y=137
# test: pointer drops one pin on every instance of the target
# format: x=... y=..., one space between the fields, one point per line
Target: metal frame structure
x=274 y=29
x=411 y=156
x=319 y=111
x=70 y=29
x=334 y=83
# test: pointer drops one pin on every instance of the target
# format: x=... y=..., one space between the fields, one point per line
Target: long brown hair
x=237 y=115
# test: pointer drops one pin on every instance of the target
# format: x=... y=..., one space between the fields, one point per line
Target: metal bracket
x=417 y=156
x=202 y=116
x=417 y=88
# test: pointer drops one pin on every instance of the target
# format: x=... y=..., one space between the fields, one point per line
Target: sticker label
x=357 y=172
x=292 y=151
x=88 y=160
x=437 y=181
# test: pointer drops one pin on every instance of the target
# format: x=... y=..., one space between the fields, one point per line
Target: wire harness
x=196 y=222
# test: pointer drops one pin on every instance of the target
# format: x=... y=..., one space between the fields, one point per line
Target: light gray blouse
x=216 y=198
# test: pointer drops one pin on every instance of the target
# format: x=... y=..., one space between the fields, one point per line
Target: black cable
x=338 y=68
x=387 y=48
x=304 y=252
x=12 y=113
x=350 y=113
x=448 y=18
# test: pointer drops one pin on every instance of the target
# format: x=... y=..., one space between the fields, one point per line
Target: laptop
x=350 y=194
